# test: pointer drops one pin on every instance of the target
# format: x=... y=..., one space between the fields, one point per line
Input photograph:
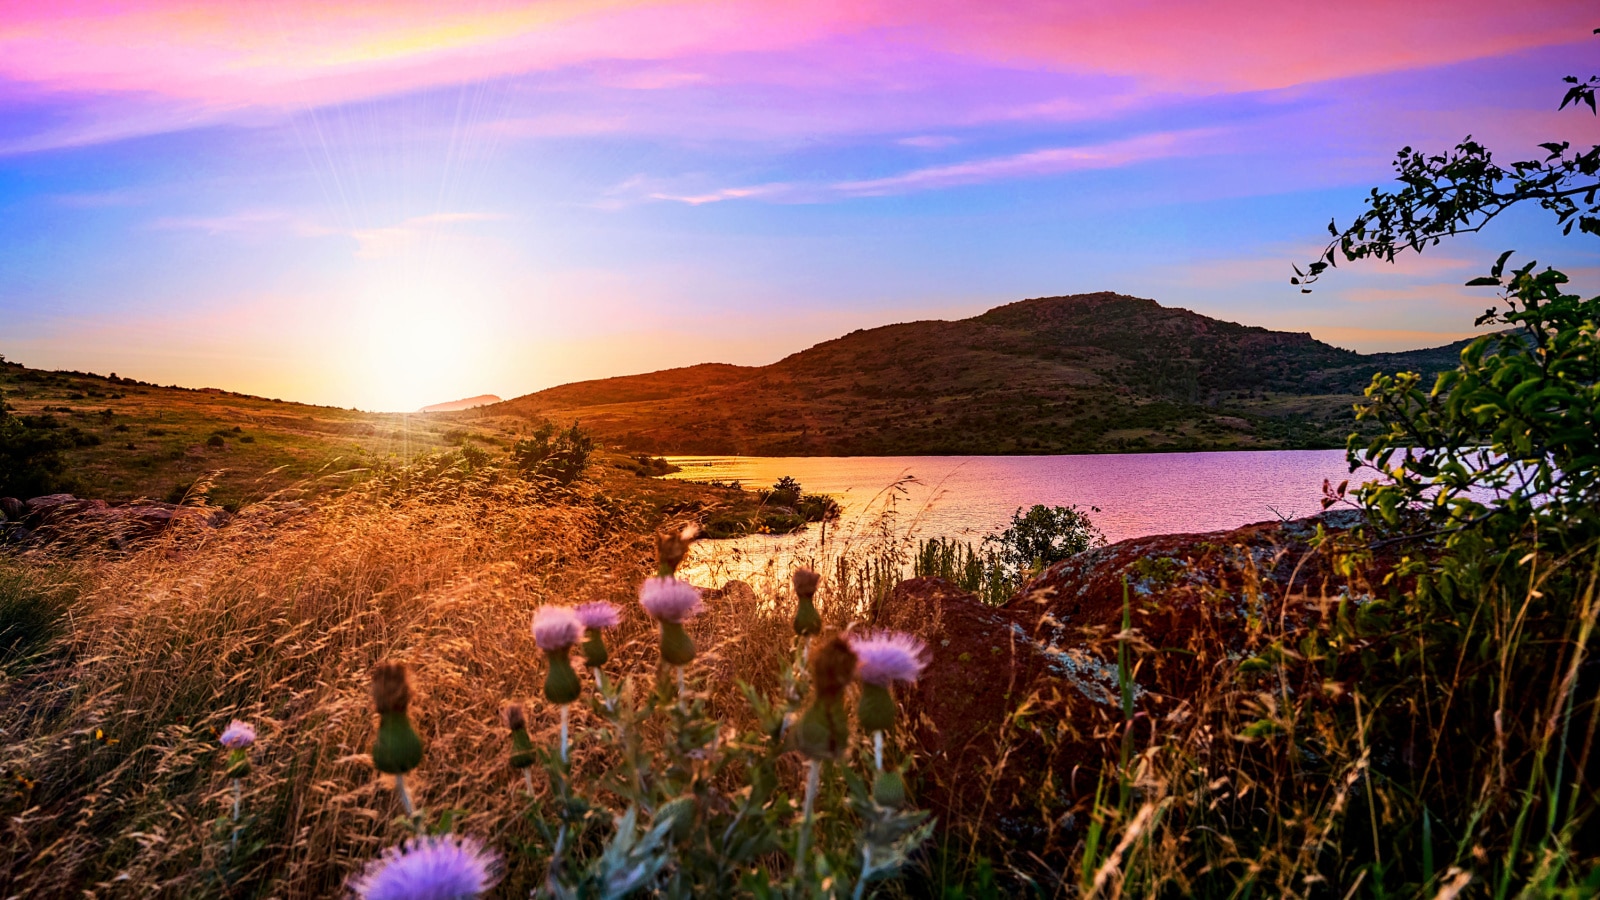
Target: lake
x=967 y=497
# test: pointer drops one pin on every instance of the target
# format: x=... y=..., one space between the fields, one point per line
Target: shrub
x=1042 y=536
x=557 y=455
x=30 y=458
x=787 y=493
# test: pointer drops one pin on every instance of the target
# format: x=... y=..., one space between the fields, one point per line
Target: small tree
x=554 y=454
x=1044 y=535
x=785 y=492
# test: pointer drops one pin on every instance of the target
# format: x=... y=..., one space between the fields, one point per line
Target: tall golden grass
x=110 y=738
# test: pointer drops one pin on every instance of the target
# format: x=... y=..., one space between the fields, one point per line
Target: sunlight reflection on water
x=966 y=497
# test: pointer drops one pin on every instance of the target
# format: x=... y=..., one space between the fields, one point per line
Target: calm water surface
x=1138 y=494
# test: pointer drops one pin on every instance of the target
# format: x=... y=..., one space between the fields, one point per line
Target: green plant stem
x=565 y=712
x=813 y=777
x=238 y=797
x=405 y=795
x=866 y=871
x=877 y=749
x=527 y=779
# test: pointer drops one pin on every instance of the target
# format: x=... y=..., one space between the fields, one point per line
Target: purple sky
x=387 y=204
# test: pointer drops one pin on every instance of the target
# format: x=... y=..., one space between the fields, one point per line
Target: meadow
x=1397 y=701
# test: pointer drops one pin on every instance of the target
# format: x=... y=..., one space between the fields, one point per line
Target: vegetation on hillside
x=1082 y=374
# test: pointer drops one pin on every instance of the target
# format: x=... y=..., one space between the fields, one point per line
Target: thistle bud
x=238 y=764
x=824 y=729
x=889 y=789
x=516 y=719
x=671 y=548
x=807 y=621
x=875 y=711
x=397 y=749
x=680 y=812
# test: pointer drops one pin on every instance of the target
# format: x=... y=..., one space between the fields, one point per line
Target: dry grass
x=279 y=622
x=115 y=778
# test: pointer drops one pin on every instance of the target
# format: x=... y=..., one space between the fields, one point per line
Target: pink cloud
x=929 y=141
x=1249 y=44
x=1035 y=163
x=737 y=193
x=299 y=52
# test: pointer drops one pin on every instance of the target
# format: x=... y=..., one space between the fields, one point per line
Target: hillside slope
x=1086 y=373
x=127 y=439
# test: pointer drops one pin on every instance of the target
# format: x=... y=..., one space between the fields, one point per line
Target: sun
x=421 y=345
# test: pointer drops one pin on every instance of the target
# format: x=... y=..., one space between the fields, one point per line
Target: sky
x=390 y=204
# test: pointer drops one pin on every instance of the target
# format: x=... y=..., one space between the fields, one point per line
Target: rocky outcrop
x=1029 y=693
x=56 y=518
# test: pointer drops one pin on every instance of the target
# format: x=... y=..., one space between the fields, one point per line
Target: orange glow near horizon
x=392 y=203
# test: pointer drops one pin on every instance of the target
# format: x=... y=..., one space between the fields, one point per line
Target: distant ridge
x=458 y=405
x=1088 y=373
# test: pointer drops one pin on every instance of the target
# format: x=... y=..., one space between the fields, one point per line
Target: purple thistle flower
x=598 y=615
x=238 y=735
x=885 y=657
x=556 y=628
x=670 y=600
x=433 y=867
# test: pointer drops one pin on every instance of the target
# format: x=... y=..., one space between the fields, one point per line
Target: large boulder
x=12 y=509
x=1021 y=706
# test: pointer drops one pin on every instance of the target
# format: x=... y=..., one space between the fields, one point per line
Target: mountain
x=458 y=405
x=1097 y=372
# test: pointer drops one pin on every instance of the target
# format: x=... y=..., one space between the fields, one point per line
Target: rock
x=53 y=508
x=1034 y=683
x=63 y=517
x=48 y=501
x=13 y=509
x=734 y=593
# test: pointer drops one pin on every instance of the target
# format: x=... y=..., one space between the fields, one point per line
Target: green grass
x=34 y=605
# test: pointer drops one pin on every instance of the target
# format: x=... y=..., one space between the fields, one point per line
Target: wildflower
x=672 y=602
x=885 y=658
x=397 y=749
x=596 y=618
x=824 y=728
x=555 y=630
x=807 y=621
x=238 y=735
x=889 y=656
x=432 y=867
